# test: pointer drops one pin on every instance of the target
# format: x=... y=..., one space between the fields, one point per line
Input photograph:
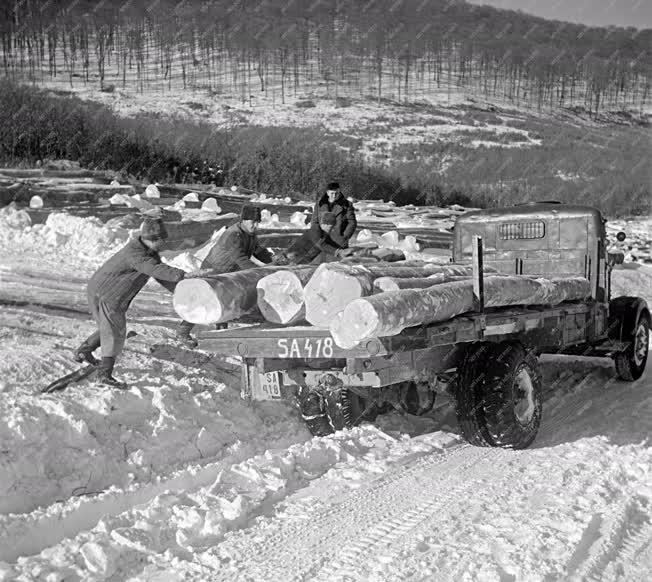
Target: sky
x=637 y=13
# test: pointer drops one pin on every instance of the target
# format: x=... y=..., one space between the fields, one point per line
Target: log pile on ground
x=389 y=313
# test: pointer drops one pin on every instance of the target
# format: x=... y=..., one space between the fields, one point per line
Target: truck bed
x=268 y=340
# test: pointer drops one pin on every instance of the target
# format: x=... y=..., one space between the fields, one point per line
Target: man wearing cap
x=315 y=245
x=112 y=288
x=232 y=252
x=333 y=201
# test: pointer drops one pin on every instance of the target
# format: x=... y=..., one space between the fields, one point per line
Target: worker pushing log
x=232 y=252
x=112 y=289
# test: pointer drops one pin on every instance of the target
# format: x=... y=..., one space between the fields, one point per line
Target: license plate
x=305 y=348
x=270 y=384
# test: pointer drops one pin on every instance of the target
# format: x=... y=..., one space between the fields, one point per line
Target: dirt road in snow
x=178 y=479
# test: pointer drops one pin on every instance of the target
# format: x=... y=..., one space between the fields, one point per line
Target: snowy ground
x=179 y=479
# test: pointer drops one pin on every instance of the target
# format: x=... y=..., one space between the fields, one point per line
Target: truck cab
x=543 y=239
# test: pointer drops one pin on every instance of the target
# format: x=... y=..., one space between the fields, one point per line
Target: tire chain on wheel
x=321 y=406
x=330 y=406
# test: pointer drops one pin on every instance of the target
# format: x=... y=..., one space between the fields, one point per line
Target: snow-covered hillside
x=179 y=479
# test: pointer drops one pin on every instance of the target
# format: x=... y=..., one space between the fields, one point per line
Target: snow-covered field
x=179 y=479
x=435 y=116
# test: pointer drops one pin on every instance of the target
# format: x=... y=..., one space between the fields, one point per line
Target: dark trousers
x=112 y=324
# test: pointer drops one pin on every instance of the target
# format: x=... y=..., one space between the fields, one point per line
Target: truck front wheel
x=498 y=396
x=630 y=364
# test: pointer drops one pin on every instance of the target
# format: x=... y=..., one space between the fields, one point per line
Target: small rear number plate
x=270 y=384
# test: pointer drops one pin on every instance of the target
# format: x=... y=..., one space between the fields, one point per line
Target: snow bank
x=191 y=260
x=62 y=234
x=134 y=201
x=85 y=440
x=388 y=240
x=637 y=246
x=190 y=523
x=410 y=216
x=13 y=218
x=270 y=199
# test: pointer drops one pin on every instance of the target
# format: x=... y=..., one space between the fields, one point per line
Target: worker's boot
x=84 y=353
x=106 y=379
x=105 y=375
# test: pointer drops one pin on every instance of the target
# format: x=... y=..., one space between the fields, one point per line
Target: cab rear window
x=522 y=230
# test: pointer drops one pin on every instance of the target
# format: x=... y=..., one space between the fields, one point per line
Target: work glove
x=281 y=260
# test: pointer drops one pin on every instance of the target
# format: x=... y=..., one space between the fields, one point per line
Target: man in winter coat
x=112 y=288
x=333 y=201
x=315 y=245
x=232 y=252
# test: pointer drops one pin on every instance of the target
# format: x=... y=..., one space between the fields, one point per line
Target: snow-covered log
x=383 y=284
x=334 y=285
x=387 y=314
x=220 y=298
x=280 y=295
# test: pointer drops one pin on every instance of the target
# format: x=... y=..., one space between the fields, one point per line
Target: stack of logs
x=360 y=302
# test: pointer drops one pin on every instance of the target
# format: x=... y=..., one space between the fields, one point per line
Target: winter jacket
x=311 y=244
x=120 y=279
x=345 y=222
x=233 y=251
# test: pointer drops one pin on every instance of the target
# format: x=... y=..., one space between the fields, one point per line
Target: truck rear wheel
x=630 y=364
x=498 y=396
x=328 y=407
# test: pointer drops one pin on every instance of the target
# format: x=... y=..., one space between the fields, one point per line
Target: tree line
x=401 y=50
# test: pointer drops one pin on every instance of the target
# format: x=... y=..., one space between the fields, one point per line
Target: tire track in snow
x=301 y=547
x=240 y=492
x=624 y=536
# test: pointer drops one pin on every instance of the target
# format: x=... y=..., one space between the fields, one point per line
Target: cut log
x=280 y=295
x=390 y=313
x=383 y=284
x=335 y=285
x=220 y=298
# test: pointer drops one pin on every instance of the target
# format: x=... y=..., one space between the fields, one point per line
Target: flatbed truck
x=486 y=359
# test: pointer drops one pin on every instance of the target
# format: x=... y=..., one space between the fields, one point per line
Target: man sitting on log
x=112 y=288
x=232 y=252
x=333 y=201
x=315 y=245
